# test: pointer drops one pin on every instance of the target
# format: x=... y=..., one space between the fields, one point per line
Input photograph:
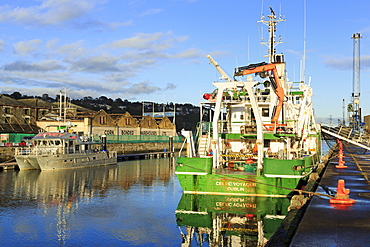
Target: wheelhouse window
x=265 y=112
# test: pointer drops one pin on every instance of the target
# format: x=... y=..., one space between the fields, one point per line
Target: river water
x=136 y=203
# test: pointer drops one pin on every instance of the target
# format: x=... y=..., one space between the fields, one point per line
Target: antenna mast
x=271 y=43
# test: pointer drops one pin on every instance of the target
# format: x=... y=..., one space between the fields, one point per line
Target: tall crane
x=354 y=107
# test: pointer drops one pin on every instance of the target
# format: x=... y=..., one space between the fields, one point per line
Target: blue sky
x=156 y=50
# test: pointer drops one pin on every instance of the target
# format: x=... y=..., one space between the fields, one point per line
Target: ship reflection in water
x=210 y=220
x=134 y=203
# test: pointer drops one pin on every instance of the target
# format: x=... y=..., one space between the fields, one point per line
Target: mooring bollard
x=342 y=197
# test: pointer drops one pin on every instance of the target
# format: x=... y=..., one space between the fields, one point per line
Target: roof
x=8 y=101
x=79 y=108
x=19 y=128
x=35 y=102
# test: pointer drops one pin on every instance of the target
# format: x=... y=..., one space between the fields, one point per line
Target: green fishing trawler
x=257 y=135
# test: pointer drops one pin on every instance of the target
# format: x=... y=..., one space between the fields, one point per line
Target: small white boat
x=62 y=150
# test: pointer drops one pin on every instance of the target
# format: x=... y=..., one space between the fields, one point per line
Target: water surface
x=131 y=204
x=134 y=203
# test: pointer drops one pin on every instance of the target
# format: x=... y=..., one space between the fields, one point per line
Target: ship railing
x=53 y=151
x=23 y=151
x=246 y=99
x=250 y=128
x=235 y=96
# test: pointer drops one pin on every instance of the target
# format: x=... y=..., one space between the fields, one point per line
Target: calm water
x=131 y=204
x=136 y=203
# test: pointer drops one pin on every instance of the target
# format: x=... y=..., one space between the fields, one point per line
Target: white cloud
x=151 y=12
x=57 y=12
x=2 y=45
x=170 y=86
x=114 y=68
x=346 y=63
x=190 y=53
x=49 y=12
x=143 y=87
x=46 y=65
x=94 y=64
x=26 y=47
x=144 y=41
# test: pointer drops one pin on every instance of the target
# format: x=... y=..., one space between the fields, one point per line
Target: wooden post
x=171 y=147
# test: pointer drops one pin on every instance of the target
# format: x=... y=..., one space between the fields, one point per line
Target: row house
x=125 y=124
x=30 y=116
x=17 y=116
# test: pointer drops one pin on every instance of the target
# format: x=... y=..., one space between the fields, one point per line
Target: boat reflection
x=211 y=220
x=61 y=194
x=66 y=186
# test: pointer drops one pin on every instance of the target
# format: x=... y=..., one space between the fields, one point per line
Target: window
x=128 y=121
x=265 y=112
x=8 y=110
x=103 y=120
x=27 y=111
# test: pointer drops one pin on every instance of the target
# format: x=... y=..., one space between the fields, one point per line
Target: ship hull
x=280 y=177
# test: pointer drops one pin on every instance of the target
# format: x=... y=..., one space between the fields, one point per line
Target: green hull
x=280 y=177
x=237 y=215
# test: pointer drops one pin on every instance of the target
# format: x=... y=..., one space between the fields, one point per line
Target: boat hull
x=196 y=176
x=27 y=162
x=65 y=161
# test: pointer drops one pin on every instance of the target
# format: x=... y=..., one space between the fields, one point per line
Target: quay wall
x=132 y=148
x=7 y=153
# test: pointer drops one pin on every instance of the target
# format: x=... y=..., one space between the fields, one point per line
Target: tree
x=16 y=95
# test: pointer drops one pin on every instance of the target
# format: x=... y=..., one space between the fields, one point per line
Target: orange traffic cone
x=341 y=163
x=340 y=145
x=340 y=160
x=342 y=197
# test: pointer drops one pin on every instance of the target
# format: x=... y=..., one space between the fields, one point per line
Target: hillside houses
x=18 y=116
x=35 y=115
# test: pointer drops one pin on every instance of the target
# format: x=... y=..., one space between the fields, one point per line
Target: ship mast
x=271 y=43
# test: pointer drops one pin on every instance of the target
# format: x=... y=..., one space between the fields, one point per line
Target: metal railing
x=51 y=151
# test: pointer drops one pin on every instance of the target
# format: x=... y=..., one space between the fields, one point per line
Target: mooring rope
x=276 y=186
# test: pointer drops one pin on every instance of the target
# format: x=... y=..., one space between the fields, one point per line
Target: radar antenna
x=271 y=43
